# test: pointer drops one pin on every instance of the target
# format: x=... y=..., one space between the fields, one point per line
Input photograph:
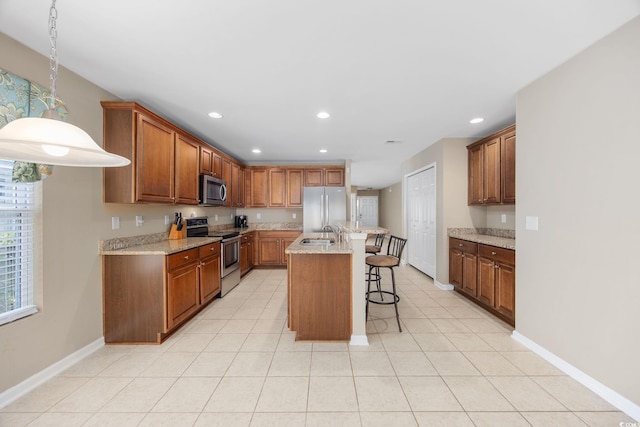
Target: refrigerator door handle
x=322 y=210
x=326 y=206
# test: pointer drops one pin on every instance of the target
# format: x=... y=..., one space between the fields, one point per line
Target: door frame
x=405 y=207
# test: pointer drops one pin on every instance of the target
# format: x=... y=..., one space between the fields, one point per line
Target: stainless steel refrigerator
x=323 y=206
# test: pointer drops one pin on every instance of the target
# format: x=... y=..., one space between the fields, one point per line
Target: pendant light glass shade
x=48 y=139
x=54 y=142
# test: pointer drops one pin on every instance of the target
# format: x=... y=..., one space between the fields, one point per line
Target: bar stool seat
x=377 y=245
x=390 y=261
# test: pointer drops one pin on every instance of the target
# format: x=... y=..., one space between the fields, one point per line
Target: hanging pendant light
x=48 y=139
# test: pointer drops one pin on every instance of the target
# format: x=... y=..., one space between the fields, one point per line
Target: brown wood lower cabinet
x=271 y=246
x=485 y=274
x=147 y=297
x=246 y=252
x=320 y=296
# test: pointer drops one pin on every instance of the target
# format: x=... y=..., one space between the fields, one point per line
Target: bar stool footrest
x=397 y=298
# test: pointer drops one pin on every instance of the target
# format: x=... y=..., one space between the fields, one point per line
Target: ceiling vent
x=393 y=141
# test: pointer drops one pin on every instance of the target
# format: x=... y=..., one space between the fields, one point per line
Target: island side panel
x=320 y=296
x=133 y=298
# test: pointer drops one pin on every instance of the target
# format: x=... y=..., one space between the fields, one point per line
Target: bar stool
x=390 y=261
x=374 y=250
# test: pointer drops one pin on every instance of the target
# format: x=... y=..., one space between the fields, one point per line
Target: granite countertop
x=361 y=227
x=164 y=247
x=337 y=248
x=493 y=237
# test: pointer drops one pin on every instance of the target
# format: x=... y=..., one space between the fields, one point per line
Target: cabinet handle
x=212 y=249
x=493 y=253
x=460 y=244
x=186 y=257
x=496 y=266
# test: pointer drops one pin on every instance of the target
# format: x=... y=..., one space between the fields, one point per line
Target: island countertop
x=337 y=248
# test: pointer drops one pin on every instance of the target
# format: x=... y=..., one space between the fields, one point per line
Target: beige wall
x=450 y=158
x=390 y=209
x=74 y=221
x=578 y=149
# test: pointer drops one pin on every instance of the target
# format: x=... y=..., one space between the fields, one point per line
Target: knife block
x=174 y=234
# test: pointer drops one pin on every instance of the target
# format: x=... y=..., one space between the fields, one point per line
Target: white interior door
x=368 y=210
x=421 y=220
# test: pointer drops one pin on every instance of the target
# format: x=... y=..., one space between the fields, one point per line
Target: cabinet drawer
x=210 y=249
x=506 y=256
x=246 y=238
x=182 y=258
x=463 y=245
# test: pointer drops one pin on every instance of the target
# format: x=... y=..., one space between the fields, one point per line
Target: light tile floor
x=236 y=364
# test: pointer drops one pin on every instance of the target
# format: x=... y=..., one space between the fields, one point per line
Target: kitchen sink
x=317 y=241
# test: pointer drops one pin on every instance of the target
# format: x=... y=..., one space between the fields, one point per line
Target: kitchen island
x=326 y=285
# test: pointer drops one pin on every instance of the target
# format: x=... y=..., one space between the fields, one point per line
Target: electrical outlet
x=215 y=217
x=258 y=215
x=139 y=221
x=115 y=222
x=503 y=218
x=293 y=215
x=167 y=220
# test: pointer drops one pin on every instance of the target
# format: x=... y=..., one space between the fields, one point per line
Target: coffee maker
x=241 y=221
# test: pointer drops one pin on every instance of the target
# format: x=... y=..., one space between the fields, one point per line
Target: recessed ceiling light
x=323 y=115
x=215 y=115
x=256 y=150
x=324 y=150
x=476 y=120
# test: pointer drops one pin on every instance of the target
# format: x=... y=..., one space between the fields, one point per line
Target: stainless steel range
x=230 y=251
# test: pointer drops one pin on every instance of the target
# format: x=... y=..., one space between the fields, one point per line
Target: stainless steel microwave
x=213 y=191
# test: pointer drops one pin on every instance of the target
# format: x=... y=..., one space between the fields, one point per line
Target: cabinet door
x=295 y=187
x=155 y=166
x=240 y=188
x=505 y=301
x=269 y=251
x=277 y=187
x=206 y=160
x=226 y=176
x=455 y=268
x=476 y=196
x=486 y=281
x=284 y=244
x=209 y=278
x=508 y=167
x=259 y=188
x=314 y=177
x=183 y=297
x=491 y=171
x=244 y=258
x=334 y=177
x=186 y=167
x=236 y=192
x=469 y=266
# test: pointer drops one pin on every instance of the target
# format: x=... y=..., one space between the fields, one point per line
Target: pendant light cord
x=53 y=53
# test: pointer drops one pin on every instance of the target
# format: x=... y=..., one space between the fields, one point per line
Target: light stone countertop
x=337 y=248
x=164 y=247
x=473 y=235
x=360 y=227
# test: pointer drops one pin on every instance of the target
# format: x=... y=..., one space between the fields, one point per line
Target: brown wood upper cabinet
x=210 y=162
x=492 y=165
x=164 y=160
x=324 y=177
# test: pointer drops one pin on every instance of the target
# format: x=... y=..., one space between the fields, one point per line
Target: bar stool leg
x=395 y=298
x=366 y=310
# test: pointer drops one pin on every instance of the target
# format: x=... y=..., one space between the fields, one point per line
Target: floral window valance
x=22 y=98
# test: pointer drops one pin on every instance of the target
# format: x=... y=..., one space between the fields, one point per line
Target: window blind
x=17 y=204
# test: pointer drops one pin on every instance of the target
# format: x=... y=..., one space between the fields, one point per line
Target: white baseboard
x=614 y=398
x=359 y=340
x=444 y=287
x=46 y=374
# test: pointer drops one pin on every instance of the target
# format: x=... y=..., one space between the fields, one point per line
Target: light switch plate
x=531 y=223
x=258 y=215
x=503 y=218
x=115 y=222
x=293 y=215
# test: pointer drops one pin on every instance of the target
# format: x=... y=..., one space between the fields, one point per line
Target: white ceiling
x=409 y=70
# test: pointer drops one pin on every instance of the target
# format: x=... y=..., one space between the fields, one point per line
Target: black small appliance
x=241 y=221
